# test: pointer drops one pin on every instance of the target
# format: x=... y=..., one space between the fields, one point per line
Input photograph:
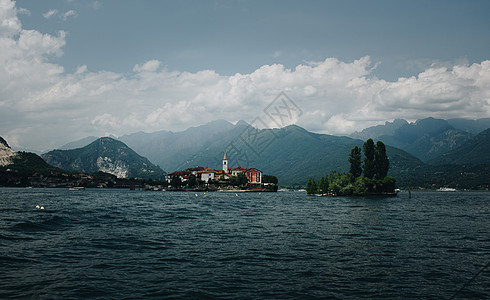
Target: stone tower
x=225 y=163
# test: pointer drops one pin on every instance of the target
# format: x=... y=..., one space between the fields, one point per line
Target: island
x=227 y=179
x=366 y=177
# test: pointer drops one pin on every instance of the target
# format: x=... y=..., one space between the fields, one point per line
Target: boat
x=77 y=188
x=446 y=189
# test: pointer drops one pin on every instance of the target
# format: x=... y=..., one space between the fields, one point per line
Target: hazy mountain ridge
x=472 y=126
x=169 y=149
x=293 y=154
x=107 y=155
x=79 y=143
x=425 y=138
x=474 y=151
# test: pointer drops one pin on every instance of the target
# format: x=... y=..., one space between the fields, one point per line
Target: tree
x=311 y=187
x=361 y=186
x=234 y=181
x=192 y=182
x=269 y=179
x=323 y=185
x=333 y=176
x=355 y=162
x=175 y=181
x=388 y=185
x=242 y=179
x=369 y=164
x=381 y=160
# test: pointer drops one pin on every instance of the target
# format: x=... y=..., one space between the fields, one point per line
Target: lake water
x=116 y=244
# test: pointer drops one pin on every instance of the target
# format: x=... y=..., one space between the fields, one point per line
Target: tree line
x=366 y=176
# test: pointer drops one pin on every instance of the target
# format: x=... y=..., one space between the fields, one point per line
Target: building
x=254 y=175
x=225 y=164
x=237 y=170
x=206 y=174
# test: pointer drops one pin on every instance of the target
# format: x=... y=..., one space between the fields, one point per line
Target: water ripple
x=115 y=244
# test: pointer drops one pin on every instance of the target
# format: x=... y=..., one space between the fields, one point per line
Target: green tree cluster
x=323 y=185
x=355 y=162
x=311 y=187
x=369 y=167
x=374 y=182
x=239 y=180
x=376 y=162
x=270 y=179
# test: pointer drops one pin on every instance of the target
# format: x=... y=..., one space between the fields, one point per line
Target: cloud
x=42 y=106
x=23 y=11
x=70 y=13
x=50 y=13
x=63 y=17
x=9 y=23
x=149 y=66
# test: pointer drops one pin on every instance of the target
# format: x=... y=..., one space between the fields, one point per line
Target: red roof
x=207 y=170
x=179 y=173
x=221 y=172
x=239 y=169
x=195 y=169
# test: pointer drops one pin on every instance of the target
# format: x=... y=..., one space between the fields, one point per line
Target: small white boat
x=77 y=188
x=446 y=189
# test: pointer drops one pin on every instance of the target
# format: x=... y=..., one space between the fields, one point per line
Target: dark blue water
x=116 y=244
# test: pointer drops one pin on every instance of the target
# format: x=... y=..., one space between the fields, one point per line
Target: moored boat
x=446 y=189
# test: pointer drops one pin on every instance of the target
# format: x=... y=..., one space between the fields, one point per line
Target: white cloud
x=149 y=66
x=9 y=23
x=50 y=13
x=23 y=11
x=62 y=16
x=70 y=13
x=42 y=106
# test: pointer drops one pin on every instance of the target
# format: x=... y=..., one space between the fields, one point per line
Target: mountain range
x=426 y=138
x=434 y=152
x=293 y=153
x=474 y=151
x=170 y=150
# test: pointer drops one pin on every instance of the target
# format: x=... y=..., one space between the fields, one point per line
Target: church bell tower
x=225 y=163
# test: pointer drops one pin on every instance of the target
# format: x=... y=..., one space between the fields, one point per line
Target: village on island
x=227 y=179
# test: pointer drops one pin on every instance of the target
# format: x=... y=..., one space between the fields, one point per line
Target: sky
x=71 y=68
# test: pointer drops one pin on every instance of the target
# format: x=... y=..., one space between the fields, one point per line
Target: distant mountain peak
x=108 y=155
x=79 y=143
x=6 y=153
x=241 y=123
x=473 y=151
x=217 y=122
x=4 y=143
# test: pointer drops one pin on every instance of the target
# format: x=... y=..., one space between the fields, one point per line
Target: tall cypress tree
x=355 y=162
x=381 y=160
x=369 y=165
x=311 y=186
x=323 y=186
